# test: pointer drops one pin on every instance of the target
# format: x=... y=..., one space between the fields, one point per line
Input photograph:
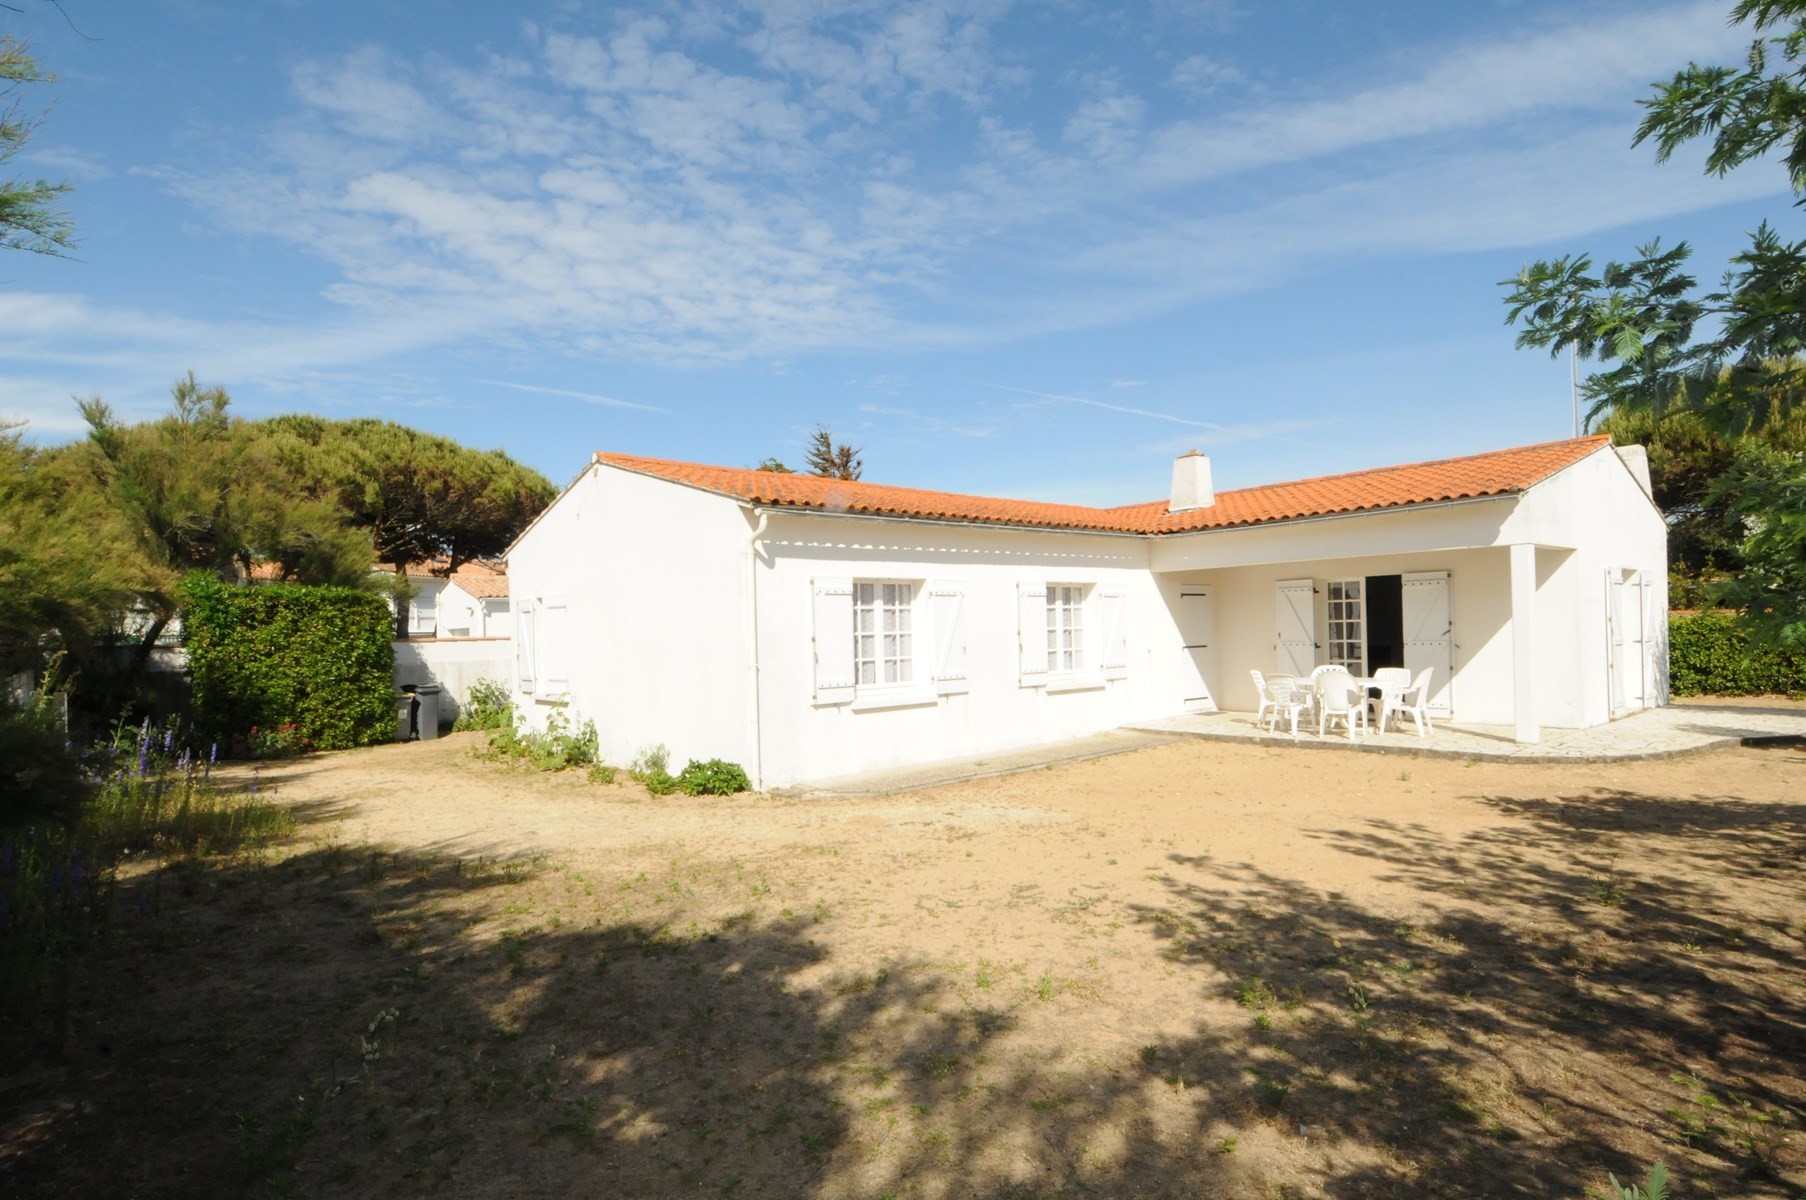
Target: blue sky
x=1026 y=249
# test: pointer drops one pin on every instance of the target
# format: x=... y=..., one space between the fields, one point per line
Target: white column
x=1523 y=643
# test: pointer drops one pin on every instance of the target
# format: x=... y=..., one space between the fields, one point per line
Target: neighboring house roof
x=472 y=568
x=483 y=587
x=1499 y=473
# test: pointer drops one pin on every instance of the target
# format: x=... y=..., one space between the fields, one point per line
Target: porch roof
x=1498 y=473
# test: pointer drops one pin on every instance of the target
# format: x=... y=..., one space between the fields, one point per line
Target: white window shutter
x=524 y=646
x=1429 y=636
x=947 y=604
x=1295 y=615
x=1031 y=633
x=554 y=639
x=834 y=675
x=1113 y=607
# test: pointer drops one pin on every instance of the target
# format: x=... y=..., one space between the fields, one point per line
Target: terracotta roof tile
x=483 y=587
x=435 y=567
x=1499 y=473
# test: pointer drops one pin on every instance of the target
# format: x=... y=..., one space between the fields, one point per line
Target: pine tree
x=831 y=461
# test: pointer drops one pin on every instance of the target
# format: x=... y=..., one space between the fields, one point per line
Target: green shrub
x=561 y=745
x=712 y=778
x=1710 y=654
x=270 y=655
x=40 y=775
x=1653 y=1187
x=652 y=767
x=490 y=707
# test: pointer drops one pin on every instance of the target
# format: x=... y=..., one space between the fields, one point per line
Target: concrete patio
x=1687 y=728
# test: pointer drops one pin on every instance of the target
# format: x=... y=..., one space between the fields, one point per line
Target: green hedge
x=1709 y=654
x=269 y=655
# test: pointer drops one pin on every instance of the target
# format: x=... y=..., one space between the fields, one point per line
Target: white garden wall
x=454 y=664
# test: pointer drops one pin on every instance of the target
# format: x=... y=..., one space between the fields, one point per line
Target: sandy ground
x=1197 y=969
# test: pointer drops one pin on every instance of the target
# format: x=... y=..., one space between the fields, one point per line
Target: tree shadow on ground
x=1586 y=989
x=350 y=1022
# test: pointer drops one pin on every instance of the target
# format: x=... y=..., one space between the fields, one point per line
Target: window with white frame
x=883 y=633
x=1065 y=627
x=1347 y=645
x=423 y=613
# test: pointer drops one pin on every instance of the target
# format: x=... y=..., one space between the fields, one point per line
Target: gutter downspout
x=752 y=592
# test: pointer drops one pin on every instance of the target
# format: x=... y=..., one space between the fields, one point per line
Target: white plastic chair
x=1279 y=696
x=1338 y=699
x=1415 y=702
x=1393 y=683
x=1266 y=697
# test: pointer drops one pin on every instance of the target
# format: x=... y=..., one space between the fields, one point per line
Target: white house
x=471 y=602
x=809 y=627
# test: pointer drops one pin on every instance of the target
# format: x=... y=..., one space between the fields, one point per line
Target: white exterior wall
x=460 y=613
x=663 y=596
x=1597 y=508
x=1589 y=517
x=498 y=617
x=654 y=577
x=1480 y=607
x=806 y=740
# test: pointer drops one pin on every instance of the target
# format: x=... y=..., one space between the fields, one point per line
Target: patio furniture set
x=1332 y=694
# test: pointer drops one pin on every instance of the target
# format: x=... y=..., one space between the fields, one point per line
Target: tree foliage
x=775 y=466
x=61 y=577
x=830 y=460
x=202 y=489
x=1733 y=358
x=1641 y=319
x=29 y=216
x=418 y=495
x=1689 y=460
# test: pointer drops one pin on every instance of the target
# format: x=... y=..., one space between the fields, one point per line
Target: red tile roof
x=434 y=567
x=483 y=587
x=1499 y=473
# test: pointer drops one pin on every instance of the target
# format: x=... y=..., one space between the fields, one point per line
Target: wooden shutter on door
x=1295 y=617
x=1031 y=633
x=1614 y=634
x=1636 y=636
x=525 y=647
x=947 y=603
x=1429 y=635
x=1113 y=659
x=834 y=678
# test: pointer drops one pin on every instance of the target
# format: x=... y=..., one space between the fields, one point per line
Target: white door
x=1197 y=629
x=1429 y=635
x=1295 y=617
x=1627 y=635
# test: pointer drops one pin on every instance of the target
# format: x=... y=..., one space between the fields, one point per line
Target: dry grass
x=1191 y=971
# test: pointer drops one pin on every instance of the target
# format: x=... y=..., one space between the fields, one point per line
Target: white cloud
x=1107 y=127
x=1200 y=75
x=587 y=397
x=1604 y=62
x=767 y=178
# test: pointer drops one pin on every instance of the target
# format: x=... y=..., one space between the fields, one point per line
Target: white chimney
x=1637 y=459
x=1191 y=482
